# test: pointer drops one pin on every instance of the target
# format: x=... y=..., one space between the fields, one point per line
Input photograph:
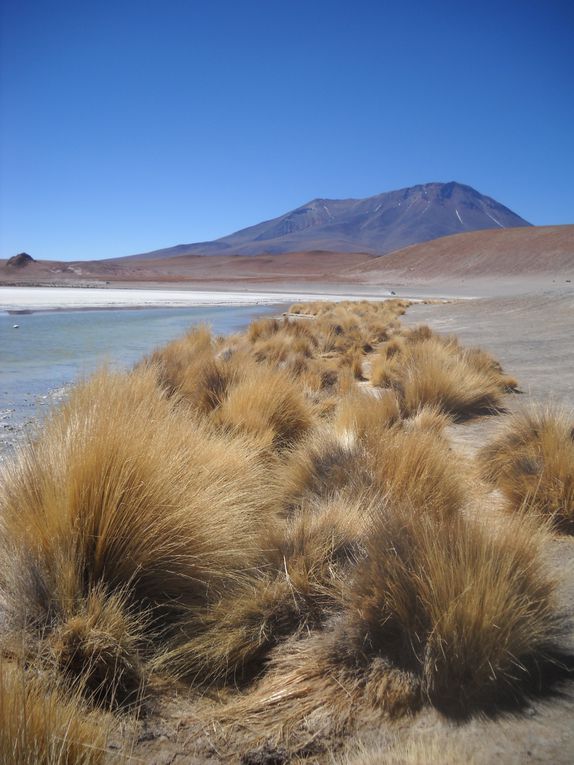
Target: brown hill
x=540 y=254
x=20 y=261
x=192 y=269
x=508 y=252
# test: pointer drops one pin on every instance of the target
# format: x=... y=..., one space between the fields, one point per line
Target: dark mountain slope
x=375 y=225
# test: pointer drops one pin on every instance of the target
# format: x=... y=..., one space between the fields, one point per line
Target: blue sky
x=132 y=125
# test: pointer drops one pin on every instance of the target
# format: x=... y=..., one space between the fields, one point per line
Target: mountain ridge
x=376 y=225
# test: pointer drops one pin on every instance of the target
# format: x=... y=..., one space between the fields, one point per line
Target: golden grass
x=444 y=747
x=251 y=511
x=417 y=467
x=439 y=612
x=406 y=459
x=267 y=405
x=308 y=559
x=120 y=494
x=40 y=725
x=364 y=411
x=532 y=462
x=425 y=369
x=472 y=613
x=323 y=465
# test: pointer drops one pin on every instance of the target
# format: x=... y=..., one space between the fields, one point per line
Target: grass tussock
x=308 y=558
x=280 y=510
x=268 y=406
x=120 y=500
x=416 y=466
x=41 y=725
x=471 y=613
x=439 y=612
x=532 y=463
x=426 y=369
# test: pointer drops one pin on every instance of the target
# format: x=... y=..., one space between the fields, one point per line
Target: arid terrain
x=500 y=261
x=399 y=584
x=261 y=666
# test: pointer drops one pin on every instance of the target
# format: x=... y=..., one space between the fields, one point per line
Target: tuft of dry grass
x=417 y=467
x=98 y=647
x=406 y=459
x=532 y=462
x=308 y=559
x=268 y=405
x=433 y=375
x=472 y=613
x=365 y=411
x=439 y=612
x=40 y=725
x=324 y=464
x=120 y=495
x=443 y=747
x=426 y=369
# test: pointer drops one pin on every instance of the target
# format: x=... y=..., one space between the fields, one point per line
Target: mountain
x=375 y=225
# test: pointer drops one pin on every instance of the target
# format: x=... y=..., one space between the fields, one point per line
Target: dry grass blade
x=39 y=725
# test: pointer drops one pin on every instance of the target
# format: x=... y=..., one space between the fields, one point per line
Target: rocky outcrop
x=20 y=261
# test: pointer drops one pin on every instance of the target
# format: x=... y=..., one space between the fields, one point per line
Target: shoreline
x=23 y=300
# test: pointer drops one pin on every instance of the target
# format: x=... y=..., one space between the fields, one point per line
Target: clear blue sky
x=129 y=125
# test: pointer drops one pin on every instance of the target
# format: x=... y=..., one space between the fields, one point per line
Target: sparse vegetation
x=532 y=463
x=426 y=369
x=279 y=514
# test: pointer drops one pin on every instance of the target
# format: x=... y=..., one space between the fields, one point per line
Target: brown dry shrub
x=532 y=463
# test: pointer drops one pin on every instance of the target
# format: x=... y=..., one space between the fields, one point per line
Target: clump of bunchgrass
x=123 y=504
x=268 y=406
x=426 y=369
x=532 y=462
x=438 y=611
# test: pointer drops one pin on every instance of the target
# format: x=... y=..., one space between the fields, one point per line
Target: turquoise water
x=50 y=350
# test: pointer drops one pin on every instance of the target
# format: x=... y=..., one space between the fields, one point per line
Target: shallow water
x=49 y=351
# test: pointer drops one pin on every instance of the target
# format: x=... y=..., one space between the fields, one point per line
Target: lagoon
x=50 y=350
